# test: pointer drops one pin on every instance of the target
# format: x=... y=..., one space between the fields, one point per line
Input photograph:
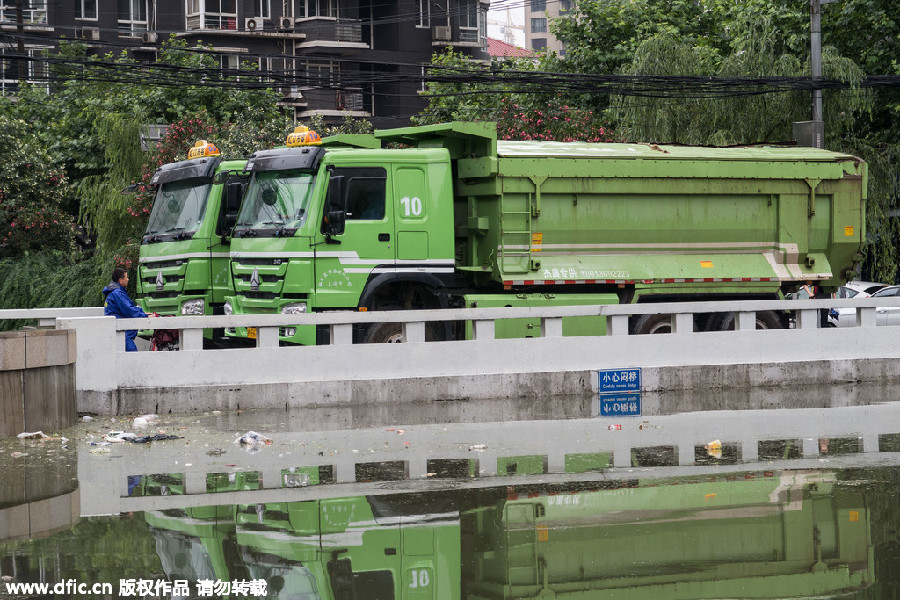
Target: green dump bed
x=541 y=213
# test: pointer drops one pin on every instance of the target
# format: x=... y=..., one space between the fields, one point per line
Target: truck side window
x=364 y=192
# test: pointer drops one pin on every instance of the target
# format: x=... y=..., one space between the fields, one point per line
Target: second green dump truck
x=457 y=218
x=184 y=263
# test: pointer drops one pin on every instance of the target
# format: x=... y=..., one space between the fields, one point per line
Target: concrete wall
x=110 y=381
x=37 y=381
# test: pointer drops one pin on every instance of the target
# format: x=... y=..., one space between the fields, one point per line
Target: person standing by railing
x=120 y=305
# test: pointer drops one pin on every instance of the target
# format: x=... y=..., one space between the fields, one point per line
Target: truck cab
x=183 y=266
x=341 y=227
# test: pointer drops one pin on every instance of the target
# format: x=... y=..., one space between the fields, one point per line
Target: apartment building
x=365 y=58
x=538 y=14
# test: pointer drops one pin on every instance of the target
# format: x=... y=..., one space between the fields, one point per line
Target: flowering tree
x=31 y=188
x=520 y=115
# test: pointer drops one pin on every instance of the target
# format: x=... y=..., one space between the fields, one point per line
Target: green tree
x=520 y=114
x=31 y=186
x=91 y=122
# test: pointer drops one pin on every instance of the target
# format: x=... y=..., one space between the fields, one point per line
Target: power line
x=469 y=80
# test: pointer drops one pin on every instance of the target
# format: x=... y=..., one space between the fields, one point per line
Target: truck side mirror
x=334 y=222
x=231 y=205
x=334 y=207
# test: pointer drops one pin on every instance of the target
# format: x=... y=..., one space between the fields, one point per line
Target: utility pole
x=20 y=32
x=815 y=63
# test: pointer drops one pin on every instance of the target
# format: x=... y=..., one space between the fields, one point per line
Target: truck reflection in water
x=756 y=534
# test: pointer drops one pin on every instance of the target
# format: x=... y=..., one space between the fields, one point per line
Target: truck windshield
x=276 y=203
x=178 y=210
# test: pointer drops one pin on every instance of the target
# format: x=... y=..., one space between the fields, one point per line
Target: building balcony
x=445 y=35
x=334 y=103
x=324 y=33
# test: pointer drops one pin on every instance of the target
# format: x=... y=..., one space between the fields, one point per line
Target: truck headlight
x=294 y=309
x=227 y=309
x=193 y=307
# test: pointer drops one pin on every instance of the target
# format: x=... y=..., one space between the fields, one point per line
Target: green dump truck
x=456 y=218
x=184 y=260
x=763 y=535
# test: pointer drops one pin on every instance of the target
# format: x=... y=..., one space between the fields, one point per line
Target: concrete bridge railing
x=110 y=381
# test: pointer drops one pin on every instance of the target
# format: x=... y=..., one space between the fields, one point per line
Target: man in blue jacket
x=119 y=305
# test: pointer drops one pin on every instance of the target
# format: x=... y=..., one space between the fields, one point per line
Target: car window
x=873 y=288
x=845 y=292
x=886 y=292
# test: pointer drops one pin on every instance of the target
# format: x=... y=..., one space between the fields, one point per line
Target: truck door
x=411 y=201
x=362 y=243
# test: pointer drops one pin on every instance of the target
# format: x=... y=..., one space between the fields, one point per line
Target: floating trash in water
x=477 y=447
x=215 y=452
x=18 y=454
x=145 y=420
x=252 y=438
x=714 y=449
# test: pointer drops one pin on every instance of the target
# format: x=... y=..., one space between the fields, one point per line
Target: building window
x=87 y=9
x=538 y=5
x=34 y=12
x=565 y=6
x=133 y=16
x=211 y=14
x=538 y=43
x=539 y=25
x=424 y=14
x=466 y=11
x=262 y=8
x=322 y=8
x=35 y=70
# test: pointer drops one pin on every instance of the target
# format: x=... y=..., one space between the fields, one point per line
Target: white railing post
x=682 y=323
x=865 y=317
x=341 y=334
x=551 y=327
x=413 y=331
x=483 y=330
x=267 y=337
x=745 y=321
x=808 y=318
x=617 y=325
x=191 y=339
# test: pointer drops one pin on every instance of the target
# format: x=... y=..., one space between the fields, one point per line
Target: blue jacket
x=119 y=305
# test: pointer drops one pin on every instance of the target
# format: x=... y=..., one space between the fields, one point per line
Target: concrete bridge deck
x=110 y=381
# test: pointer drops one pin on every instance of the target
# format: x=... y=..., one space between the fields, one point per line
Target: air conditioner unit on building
x=89 y=33
x=286 y=23
x=253 y=24
x=149 y=37
x=441 y=32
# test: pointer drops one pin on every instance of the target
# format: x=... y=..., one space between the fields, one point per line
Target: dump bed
x=538 y=213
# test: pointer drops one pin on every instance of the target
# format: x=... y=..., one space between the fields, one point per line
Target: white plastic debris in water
x=145 y=420
x=251 y=438
x=477 y=447
x=118 y=437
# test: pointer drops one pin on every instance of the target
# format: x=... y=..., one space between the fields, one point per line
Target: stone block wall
x=37 y=381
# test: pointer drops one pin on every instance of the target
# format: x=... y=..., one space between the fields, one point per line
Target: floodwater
x=767 y=494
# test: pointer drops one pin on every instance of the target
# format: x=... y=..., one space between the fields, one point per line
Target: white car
x=865 y=289
x=853 y=289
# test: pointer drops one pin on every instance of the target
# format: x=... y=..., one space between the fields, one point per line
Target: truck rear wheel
x=653 y=324
x=392 y=333
x=384 y=333
x=765 y=319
